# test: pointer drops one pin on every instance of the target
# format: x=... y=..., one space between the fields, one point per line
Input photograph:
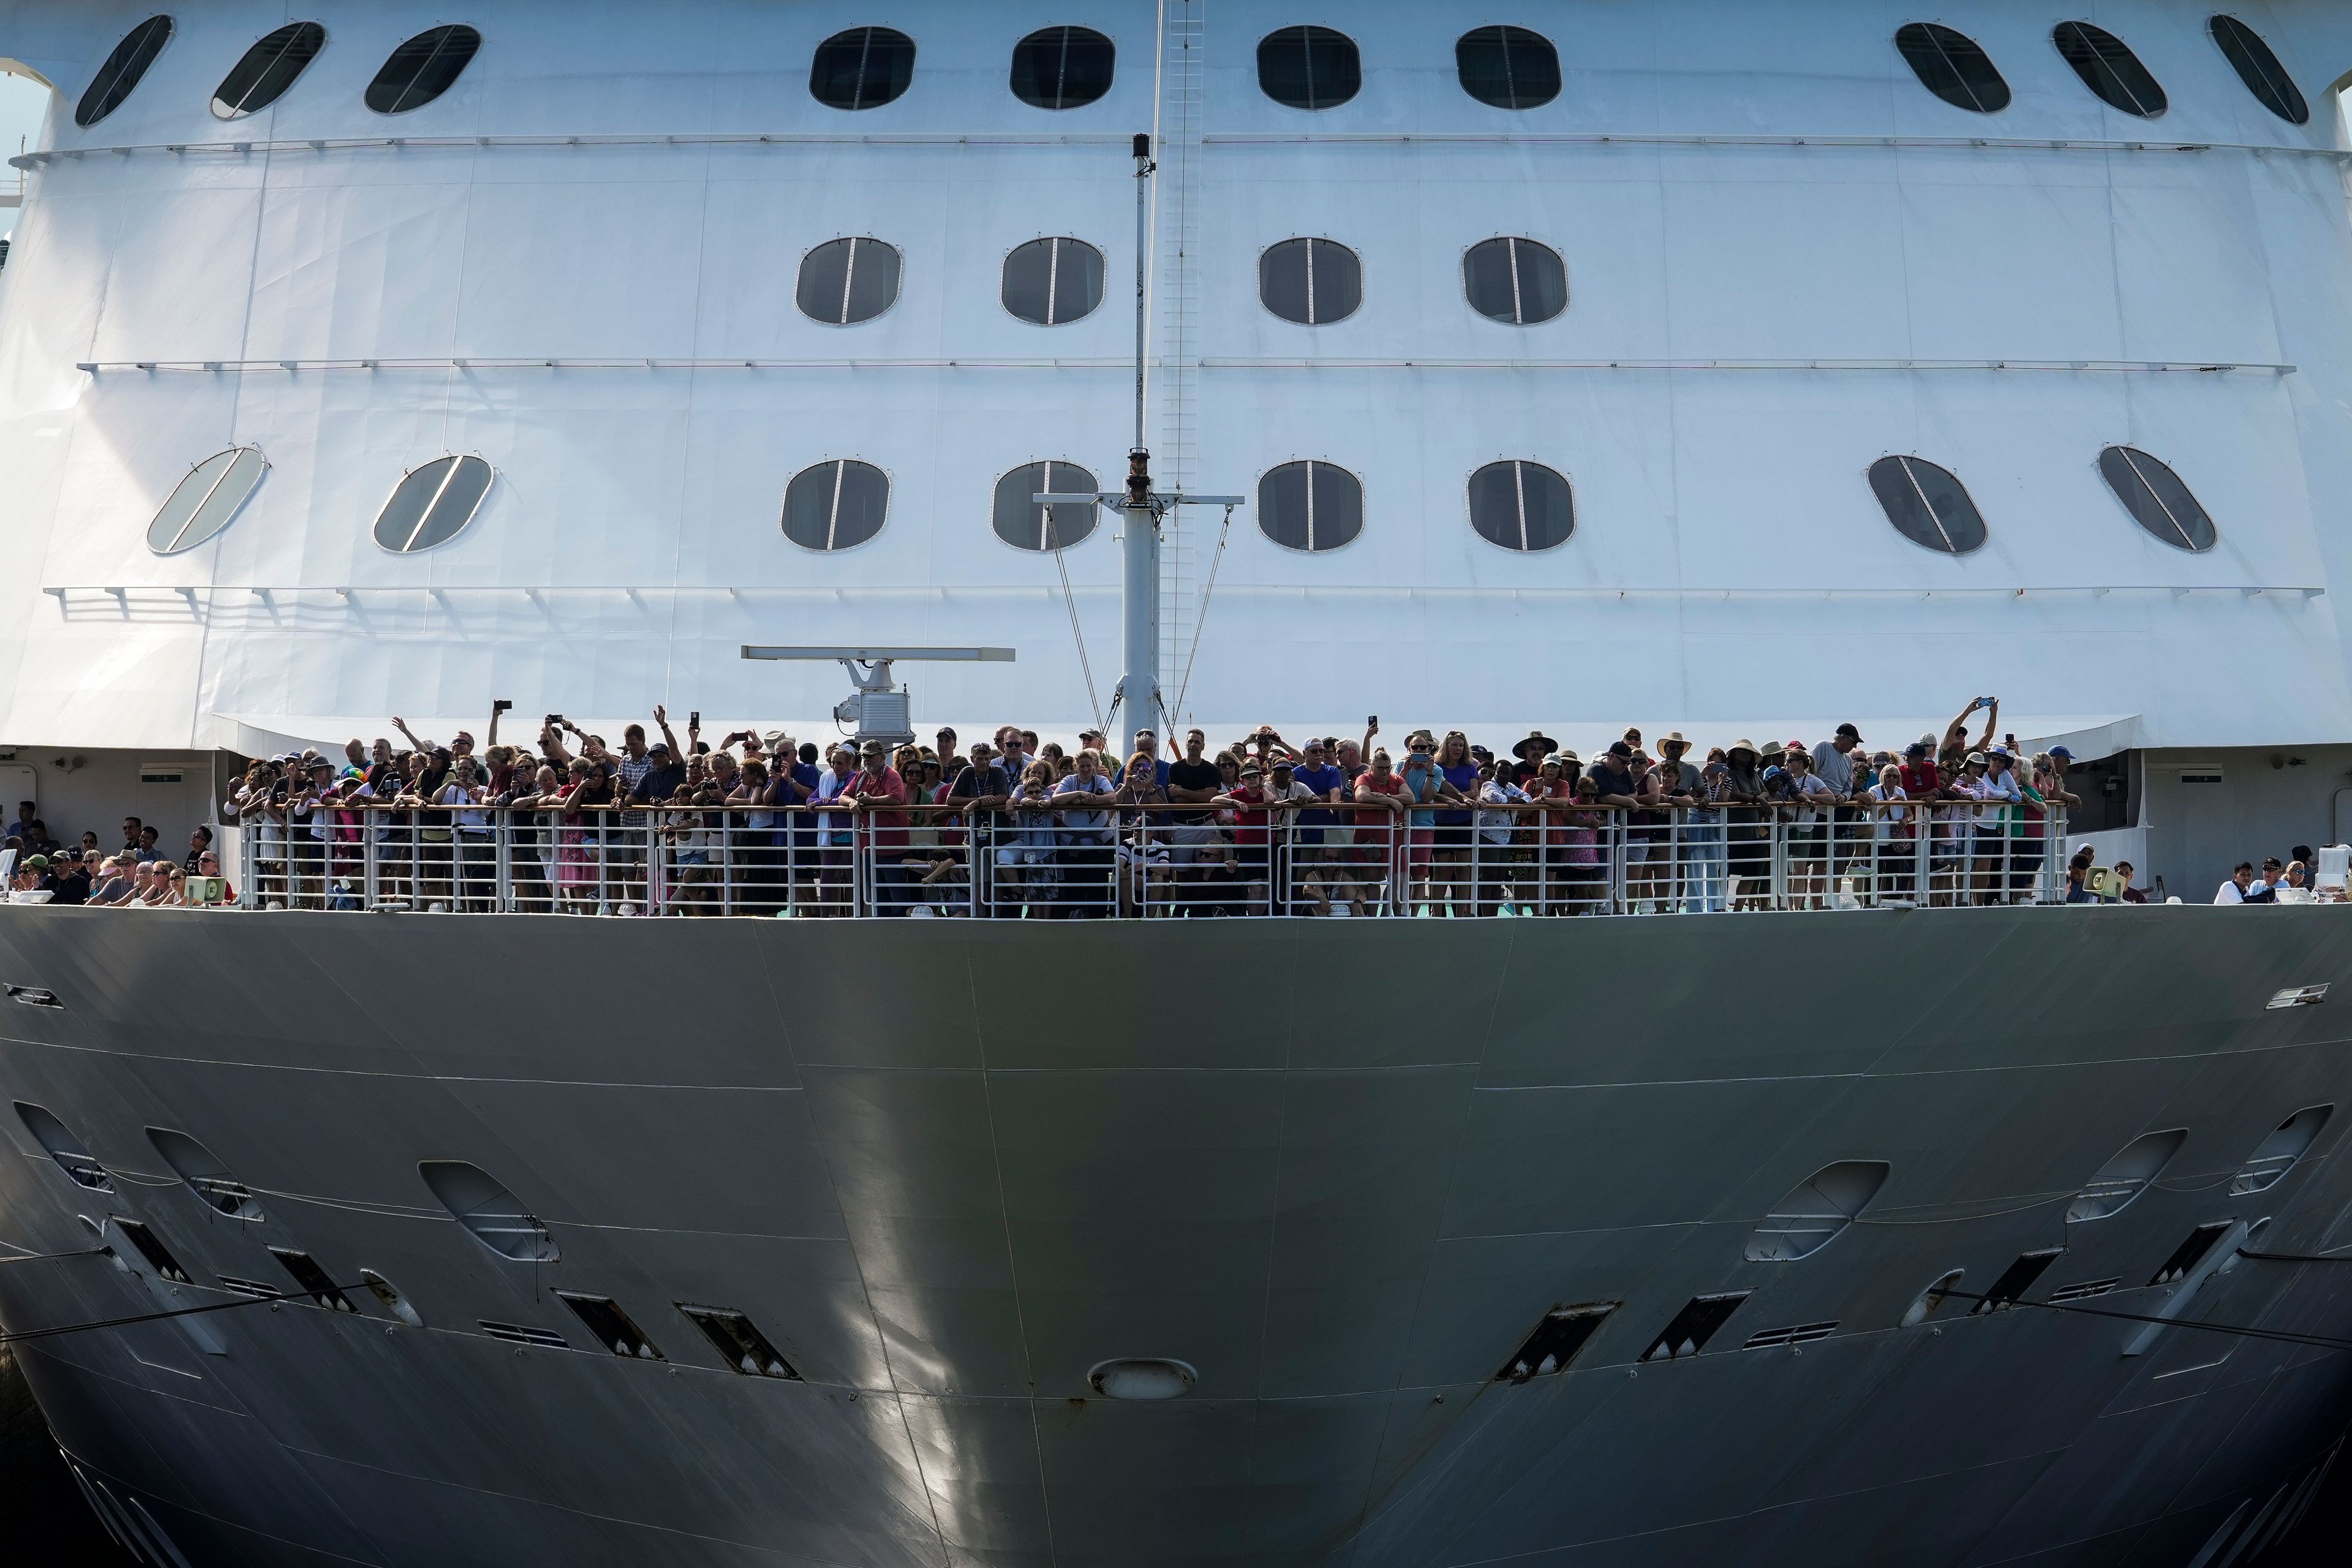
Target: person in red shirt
x=1247 y=802
x=1919 y=777
x=875 y=793
x=1382 y=799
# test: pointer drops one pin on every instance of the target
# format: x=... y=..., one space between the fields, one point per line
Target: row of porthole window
x=1309 y=67
x=1309 y=505
x=1054 y=282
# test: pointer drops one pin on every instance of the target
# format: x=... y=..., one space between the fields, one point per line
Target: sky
x=23 y=102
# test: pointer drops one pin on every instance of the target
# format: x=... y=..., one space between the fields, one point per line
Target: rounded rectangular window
x=1510 y=67
x=1521 y=506
x=268 y=69
x=1953 y=66
x=1309 y=67
x=206 y=500
x=1515 y=280
x=2109 y=69
x=1053 y=282
x=1928 y=505
x=432 y=504
x=125 y=65
x=1024 y=523
x=1310 y=281
x=836 y=505
x=864 y=67
x=1310 y=506
x=423 y=68
x=2156 y=499
x=846 y=281
x=1062 y=67
x=2259 y=68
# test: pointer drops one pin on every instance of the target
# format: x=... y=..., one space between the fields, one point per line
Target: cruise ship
x=1735 y=366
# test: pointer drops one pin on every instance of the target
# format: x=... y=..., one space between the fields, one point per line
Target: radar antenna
x=879 y=708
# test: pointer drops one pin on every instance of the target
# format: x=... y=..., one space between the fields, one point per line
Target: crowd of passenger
x=1053 y=821
x=141 y=872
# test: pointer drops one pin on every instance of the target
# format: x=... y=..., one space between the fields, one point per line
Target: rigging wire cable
x=1078 y=635
x=2243 y=1330
x=1201 y=621
x=56 y=1329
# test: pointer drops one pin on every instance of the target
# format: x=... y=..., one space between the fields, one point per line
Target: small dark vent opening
x=150 y=1247
x=2085 y=1290
x=1694 y=1326
x=612 y=1325
x=259 y=1289
x=312 y=1279
x=2015 y=1282
x=519 y=1334
x=1563 y=1331
x=64 y=1148
x=34 y=995
x=1795 y=1334
x=2189 y=1253
x=739 y=1342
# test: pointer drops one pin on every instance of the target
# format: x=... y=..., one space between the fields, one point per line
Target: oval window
x=1309 y=67
x=2276 y=1154
x=1022 y=523
x=1310 y=281
x=864 y=67
x=207 y=1176
x=2126 y=1176
x=432 y=504
x=423 y=68
x=836 y=505
x=495 y=1217
x=1310 y=506
x=1508 y=67
x=1053 y=282
x=1953 y=66
x=2109 y=69
x=124 y=68
x=1515 y=280
x=1928 y=505
x=846 y=281
x=1521 y=506
x=1062 y=67
x=1817 y=1211
x=206 y=501
x=2156 y=499
x=2259 y=68
x=268 y=69
x=64 y=1148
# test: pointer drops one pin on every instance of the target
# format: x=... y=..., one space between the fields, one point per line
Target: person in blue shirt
x=1324 y=839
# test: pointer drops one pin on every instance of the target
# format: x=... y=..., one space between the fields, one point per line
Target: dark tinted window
x=1310 y=281
x=268 y=69
x=1053 y=282
x=432 y=504
x=1515 y=280
x=2260 y=69
x=836 y=505
x=846 y=281
x=864 y=67
x=2156 y=499
x=1062 y=67
x=1952 y=67
x=1928 y=505
x=1310 y=506
x=2109 y=69
x=123 y=69
x=1309 y=68
x=1510 y=67
x=1022 y=522
x=1521 y=506
x=423 y=68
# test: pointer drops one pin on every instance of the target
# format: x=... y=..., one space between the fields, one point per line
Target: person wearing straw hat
x=1748 y=854
x=1535 y=748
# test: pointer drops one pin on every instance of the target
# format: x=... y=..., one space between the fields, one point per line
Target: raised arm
x=551 y=745
x=661 y=717
x=1992 y=719
x=402 y=725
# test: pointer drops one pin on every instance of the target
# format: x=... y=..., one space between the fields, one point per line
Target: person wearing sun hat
x=1535 y=748
x=1748 y=856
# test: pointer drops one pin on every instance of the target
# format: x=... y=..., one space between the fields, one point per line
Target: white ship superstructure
x=1735 y=367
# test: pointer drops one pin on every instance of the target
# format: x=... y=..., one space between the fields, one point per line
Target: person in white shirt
x=1808 y=836
x=1891 y=872
x=1997 y=791
x=1498 y=785
x=2233 y=891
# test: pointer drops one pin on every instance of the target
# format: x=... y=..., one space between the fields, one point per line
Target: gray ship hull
x=1340 y=1168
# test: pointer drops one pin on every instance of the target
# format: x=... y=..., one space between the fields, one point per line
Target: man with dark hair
x=200 y=843
x=2233 y=891
x=131 y=826
x=2266 y=891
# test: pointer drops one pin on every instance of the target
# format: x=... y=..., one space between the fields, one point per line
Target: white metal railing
x=1075 y=857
